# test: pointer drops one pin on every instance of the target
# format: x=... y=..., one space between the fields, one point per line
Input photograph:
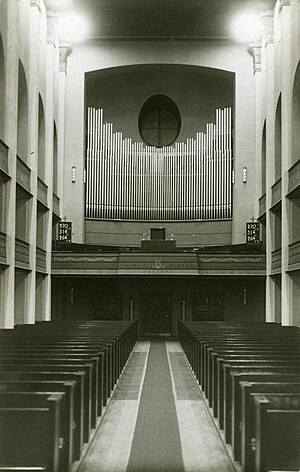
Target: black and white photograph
x=149 y=235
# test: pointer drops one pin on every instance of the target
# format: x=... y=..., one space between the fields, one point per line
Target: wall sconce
x=73 y=174
x=244 y=174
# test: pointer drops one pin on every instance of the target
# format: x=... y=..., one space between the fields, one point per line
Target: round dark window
x=159 y=121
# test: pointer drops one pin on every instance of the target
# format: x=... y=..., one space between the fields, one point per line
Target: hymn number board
x=252 y=232
x=65 y=231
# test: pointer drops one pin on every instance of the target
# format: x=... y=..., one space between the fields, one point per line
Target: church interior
x=150 y=235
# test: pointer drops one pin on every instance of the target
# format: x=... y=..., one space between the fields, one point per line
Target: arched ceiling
x=158 y=19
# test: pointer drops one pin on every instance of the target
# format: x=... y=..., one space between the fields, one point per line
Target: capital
x=255 y=51
x=64 y=52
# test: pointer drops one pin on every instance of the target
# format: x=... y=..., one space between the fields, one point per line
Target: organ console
x=189 y=180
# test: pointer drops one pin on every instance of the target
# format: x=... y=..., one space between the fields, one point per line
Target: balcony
x=276 y=193
x=294 y=256
x=42 y=192
x=262 y=205
x=3 y=256
x=294 y=178
x=22 y=254
x=56 y=205
x=23 y=174
x=276 y=262
x=41 y=260
x=4 y=159
x=155 y=264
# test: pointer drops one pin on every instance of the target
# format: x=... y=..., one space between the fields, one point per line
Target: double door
x=157 y=315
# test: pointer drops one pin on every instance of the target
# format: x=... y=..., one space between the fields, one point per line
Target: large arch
x=41 y=140
x=278 y=140
x=22 y=136
x=2 y=89
x=296 y=116
x=55 y=159
x=263 y=160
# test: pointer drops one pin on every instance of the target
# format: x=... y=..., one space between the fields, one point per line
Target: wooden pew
x=48 y=387
x=40 y=400
x=277 y=432
x=247 y=427
x=225 y=399
x=30 y=436
x=46 y=368
x=220 y=354
x=60 y=351
x=255 y=384
x=78 y=377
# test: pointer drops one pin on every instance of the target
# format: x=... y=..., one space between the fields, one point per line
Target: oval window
x=159 y=121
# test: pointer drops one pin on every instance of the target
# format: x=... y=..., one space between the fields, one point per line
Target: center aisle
x=157 y=420
x=156 y=441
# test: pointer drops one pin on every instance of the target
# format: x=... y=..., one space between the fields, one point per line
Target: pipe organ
x=189 y=180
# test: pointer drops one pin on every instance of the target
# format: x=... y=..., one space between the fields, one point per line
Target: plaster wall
x=130 y=233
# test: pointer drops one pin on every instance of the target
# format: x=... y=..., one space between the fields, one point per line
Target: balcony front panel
x=294 y=256
x=41 y=260
x=262 y=205
x=3 y=257
x=42 y=192
x=276 y=261
x=22 y=254
x=276 y=193
x=56 y=204
x=23 y=174
x=157 y=264
x=294 y=177
x=3 y=157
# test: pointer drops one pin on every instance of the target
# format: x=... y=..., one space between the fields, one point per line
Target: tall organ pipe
x=191 y=180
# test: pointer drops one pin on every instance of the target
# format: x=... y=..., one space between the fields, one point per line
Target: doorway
x=157 y=316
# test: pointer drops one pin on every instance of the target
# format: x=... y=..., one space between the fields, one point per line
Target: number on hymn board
x=252 y=232
x=65 y=231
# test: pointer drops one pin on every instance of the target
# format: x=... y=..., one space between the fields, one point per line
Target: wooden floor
x=182 y=421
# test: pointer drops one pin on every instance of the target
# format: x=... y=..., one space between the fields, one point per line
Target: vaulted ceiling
x=157 y=19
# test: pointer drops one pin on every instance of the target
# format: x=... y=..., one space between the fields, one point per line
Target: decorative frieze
x=157 y=264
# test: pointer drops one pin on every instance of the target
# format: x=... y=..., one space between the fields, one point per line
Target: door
x=157 y=317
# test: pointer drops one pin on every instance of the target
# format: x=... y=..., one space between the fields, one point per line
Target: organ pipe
x=190 y=180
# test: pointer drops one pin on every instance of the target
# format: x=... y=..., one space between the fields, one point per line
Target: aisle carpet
x=156 y=442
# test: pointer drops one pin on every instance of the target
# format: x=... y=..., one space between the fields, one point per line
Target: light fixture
x=244 y=174
x=73 y=174
x=72 y=28
x=247 y=27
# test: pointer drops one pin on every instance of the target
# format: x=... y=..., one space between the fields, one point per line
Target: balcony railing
x=276 y=261
x=262 y=205
x=2 y=248
x=42 y=192
x=3 y=157
x=294 y=177
x=41 y=259
x=23 y=174
x=294 y=256
x=276 y=193
x=22 y=254
x=56 y=202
